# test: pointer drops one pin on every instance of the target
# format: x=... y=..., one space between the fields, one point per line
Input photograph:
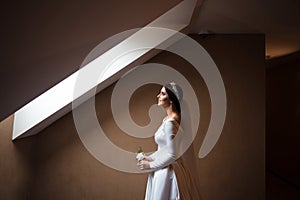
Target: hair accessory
x=175 y=90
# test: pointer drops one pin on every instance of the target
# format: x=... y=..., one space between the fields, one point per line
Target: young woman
x=170 y=178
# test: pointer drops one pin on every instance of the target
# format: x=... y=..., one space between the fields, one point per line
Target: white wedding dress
x=162 y=183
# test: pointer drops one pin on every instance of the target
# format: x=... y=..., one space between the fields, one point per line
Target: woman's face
x=163 y=98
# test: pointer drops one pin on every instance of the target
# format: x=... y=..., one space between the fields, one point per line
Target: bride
x=170 y=177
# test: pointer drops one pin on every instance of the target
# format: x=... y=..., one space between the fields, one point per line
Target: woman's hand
x=148 y=158
x=144 y=164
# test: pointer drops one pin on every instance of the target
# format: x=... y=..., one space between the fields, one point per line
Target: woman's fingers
x=141 y=164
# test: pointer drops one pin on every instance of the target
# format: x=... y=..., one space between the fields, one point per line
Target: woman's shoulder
x=171 y=119
x=175 y=121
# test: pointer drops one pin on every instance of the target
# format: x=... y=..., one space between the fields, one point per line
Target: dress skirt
x=162 y=185
x=174 y=182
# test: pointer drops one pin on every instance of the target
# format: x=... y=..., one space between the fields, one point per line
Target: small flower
x=140 y=155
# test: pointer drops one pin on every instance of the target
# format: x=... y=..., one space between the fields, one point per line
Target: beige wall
x=63 y=168
x=16 y=163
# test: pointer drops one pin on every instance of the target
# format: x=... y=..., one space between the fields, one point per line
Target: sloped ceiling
x=43 y=42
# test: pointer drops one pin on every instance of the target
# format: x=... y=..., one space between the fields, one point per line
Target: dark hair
x=175 y=94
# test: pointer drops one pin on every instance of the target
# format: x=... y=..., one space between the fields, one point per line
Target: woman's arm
x=166 y=155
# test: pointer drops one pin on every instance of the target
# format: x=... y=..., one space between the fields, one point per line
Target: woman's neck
x=171 y=113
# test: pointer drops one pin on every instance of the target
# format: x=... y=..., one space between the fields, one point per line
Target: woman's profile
x=170 y=177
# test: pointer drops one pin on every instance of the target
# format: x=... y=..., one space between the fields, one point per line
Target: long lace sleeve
x=167 y=154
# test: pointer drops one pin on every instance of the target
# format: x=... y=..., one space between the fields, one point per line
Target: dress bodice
x=162 y=134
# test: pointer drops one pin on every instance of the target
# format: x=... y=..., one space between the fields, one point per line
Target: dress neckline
x=169 y=118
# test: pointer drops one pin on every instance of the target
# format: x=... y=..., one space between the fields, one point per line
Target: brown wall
x=16 y=163
x=282 y=123
x=63 y=168
x=235 y=168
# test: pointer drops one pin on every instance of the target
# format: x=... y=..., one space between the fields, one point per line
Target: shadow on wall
x=282 y=123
